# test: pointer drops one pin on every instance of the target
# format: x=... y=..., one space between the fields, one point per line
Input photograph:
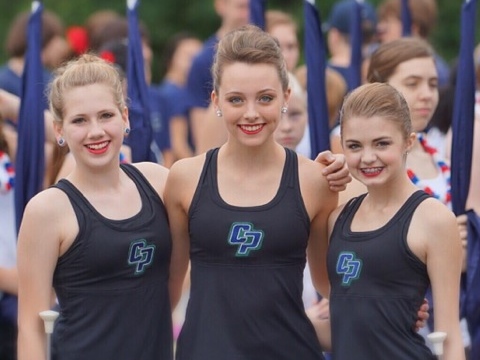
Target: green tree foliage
x=163 y=18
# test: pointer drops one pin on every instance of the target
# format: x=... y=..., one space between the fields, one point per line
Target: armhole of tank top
x=206 y=170
x=292 y=180
x=415 y=200
x=76 y=203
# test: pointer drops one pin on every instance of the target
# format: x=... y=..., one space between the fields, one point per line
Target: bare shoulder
x=316 y=193
x=188 y=169
x=50 y=209
x=310 y=172
x=47 y=203
x=155 y=174
x=183 y=179
x=434 y=222
x=432 y=212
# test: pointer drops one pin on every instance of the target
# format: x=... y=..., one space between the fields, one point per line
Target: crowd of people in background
x=217 y=172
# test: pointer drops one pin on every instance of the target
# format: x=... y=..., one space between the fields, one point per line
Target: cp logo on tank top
x=348 y=266
x=140 y=255
x=245 y=237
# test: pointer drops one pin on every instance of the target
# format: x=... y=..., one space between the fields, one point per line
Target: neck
x=251 y=157
x=105 y=178
x=392 y=194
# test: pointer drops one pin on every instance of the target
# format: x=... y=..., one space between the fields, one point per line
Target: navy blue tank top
x=377 y=287
x=246 y=275
x=112 y=283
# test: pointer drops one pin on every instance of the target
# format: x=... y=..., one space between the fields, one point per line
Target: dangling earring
x=219 y=113
x=61 y=142
x=284 y=110
x=127 y=130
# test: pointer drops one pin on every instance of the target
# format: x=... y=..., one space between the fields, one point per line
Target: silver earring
x=127 y=130
x=219 y=113
x=284 y=110
x=61 y=142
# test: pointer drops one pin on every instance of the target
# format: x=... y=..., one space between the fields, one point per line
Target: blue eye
x=107 y=115
x=266 y=98
x=383 y=143
x=353 y=146
x=235 y=100
x=78 y=120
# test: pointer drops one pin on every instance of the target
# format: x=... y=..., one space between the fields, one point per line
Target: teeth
x=371 y=170
x=251 y=127
x=98 y=146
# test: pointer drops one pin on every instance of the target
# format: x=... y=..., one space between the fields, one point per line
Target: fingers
x=325 y=157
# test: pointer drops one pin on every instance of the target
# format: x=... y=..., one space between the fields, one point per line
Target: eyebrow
x=381 y=138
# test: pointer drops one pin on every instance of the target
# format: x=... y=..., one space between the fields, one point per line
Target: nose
x=368 y=156
x=96 y=130
x=251 y=113
x=426 y=91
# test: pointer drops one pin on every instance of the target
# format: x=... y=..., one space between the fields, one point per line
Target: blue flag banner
x=315 y=54
x=471 y=297
x=461 y=162
x=406 y=17
x=463 y=111
x=257 y=12
x=141 y=135
x=30 y=159
x=356 y=40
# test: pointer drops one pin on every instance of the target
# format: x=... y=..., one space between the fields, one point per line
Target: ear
x=125 y=117
x=287 y=95
x=57 y=129
x=214 y=98
x=410 y=141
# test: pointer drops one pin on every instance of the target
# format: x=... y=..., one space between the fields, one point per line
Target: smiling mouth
x=97 y=147
x=371 y=171
x=251 y=129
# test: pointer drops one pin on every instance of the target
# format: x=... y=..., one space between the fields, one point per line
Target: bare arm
x=9 y=280
x=10 y=109
x=38 y=250
x=320 y=201
x=443 y=260
x=319 y=315
x=178 y=195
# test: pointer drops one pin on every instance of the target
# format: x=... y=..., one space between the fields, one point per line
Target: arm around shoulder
x=319 y=201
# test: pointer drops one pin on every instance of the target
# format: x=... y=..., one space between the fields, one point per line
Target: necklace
x=7 y=174
x=441 y=165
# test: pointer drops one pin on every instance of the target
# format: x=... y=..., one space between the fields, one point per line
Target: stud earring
x=219 y=113
x=284 y=110
x=61 y=142
x=127 y=130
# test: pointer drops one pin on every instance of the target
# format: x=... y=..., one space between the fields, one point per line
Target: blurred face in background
x=183 y=57
x=292 y=125
x=417 y=80
x=389 y=28
x=234 y=13
x=287 y=37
